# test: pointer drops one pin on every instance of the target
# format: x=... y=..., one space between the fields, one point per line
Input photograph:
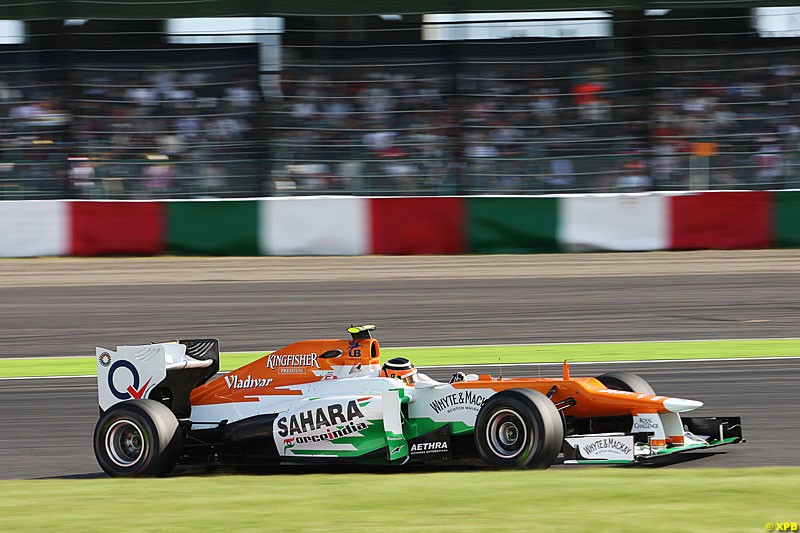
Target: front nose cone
x=679 y=405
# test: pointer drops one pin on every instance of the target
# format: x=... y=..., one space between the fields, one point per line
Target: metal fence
x=411 y=104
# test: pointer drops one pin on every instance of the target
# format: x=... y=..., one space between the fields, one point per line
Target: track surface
x=66 y=307
x=49 y=423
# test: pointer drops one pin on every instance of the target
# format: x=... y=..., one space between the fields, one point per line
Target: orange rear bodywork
x=301 y=362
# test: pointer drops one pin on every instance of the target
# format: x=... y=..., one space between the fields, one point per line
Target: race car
x=164 y=404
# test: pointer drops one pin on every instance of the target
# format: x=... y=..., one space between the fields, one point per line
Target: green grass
x=597 y=499
x=635 y=351
x=534 y=353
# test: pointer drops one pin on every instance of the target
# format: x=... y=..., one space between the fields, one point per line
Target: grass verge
x=603 y=499
x=466 y=355
x=533 y=353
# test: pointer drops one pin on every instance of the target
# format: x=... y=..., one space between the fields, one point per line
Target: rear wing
x=165 y=371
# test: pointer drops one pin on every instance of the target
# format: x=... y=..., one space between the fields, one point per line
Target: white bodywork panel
x=310 y=425
x=131 y=372
x=445 y=403
x=603 y=447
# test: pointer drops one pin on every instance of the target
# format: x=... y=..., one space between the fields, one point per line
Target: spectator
x=768 y=163
x=634 y=178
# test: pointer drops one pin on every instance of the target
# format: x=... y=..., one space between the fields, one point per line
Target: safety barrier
x=399 y=226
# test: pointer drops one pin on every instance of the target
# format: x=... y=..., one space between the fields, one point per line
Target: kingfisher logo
x=293 y=360
x=131 y=391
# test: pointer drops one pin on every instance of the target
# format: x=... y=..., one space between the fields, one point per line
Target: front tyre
x=519 y=428
x=137 y=438
x=626 y=381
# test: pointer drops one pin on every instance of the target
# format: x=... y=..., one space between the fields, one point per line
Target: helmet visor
x=411 y=377
x=407 y=376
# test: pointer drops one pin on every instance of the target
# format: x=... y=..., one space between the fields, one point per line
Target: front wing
x=701 y=433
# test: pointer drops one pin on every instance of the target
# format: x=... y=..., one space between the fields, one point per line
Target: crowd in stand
x=485 y=127
x=363 y=130
x=748 y=117
x=560 y=127
x=166 y=132
x=128 y=132
x=33 y=123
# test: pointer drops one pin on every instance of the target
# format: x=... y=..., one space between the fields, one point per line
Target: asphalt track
x=48 y=423
x=63 y=307
x=47 y=321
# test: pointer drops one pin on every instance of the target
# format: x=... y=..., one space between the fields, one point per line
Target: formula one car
x=163 y=404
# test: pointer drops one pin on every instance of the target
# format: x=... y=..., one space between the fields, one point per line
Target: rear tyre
x=519 y=428
x=137 y=438
x=627 y=382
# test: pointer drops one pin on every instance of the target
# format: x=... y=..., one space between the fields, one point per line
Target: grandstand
x=138 y=100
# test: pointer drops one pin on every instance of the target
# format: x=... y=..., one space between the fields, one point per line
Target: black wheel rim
x=125 y=443
x=506 y=433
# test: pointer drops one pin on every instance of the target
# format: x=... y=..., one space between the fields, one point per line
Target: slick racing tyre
x=618 y=381
x=627 y=382
x=137 y=438
x=519 y=428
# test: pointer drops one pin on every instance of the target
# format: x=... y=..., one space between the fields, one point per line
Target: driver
x=400 y=368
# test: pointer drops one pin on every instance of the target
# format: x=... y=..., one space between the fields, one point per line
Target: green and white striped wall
x=416 y=225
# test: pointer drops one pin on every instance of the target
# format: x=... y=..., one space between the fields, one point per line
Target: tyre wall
x=396 y=226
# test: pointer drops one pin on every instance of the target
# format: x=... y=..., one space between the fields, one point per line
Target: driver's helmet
x=400 y=368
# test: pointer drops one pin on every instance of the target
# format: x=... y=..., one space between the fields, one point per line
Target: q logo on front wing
x=133 y=390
